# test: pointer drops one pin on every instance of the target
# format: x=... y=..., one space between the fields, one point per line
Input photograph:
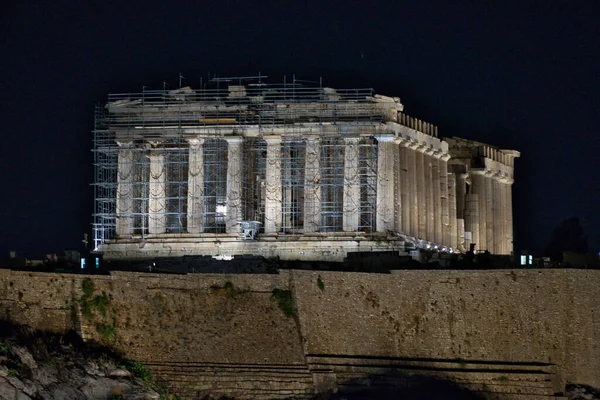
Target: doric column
x=124 y=200
x=453 y=220
x=479 y=189
x=445 y=203
x=351 y=211
x=234 y=184
x=397 y=194
x=489 y=215
x=461 y=190
x=499 y=222
x=437 y=199
x=413 y=196
x=421 y=202
x=472 y=219
x=385 y=183
x=274 y=196
x=509 y=216
x=157 y=202
x=312 y=185
x=406 y=187
x=429 y=196
x=195 y=205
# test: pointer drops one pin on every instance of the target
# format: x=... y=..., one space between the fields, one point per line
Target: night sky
x=512 y=74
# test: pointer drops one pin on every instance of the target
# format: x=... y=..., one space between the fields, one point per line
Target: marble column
x=195 y=205
x=157 y=202
x=351 y=210
x=479 y=188
x=397 y=192
x=406 y=187
x=234 y=184
x=385 y=183
x=489 y=215
x=472 y=219
x=509 y=216
x=461 y=190
x=312 y=185
x=499 y=221
x=124 y=200
x=429 y=196
x=421 y=203
x=274 y=195
x=448 y=222
x=437 y=199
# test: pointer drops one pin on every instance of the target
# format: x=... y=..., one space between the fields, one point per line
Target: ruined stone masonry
x=292 y=172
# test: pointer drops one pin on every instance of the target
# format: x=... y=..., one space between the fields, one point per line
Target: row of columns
x=488 y=212
x=416 y=193
x=274 y=194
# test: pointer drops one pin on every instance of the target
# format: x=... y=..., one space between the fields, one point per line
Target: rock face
x=36 y=365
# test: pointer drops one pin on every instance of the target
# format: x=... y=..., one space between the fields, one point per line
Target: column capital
x=272 y=139
x=412 y=144
x=384 y=137
x=352 y=139
x=152 y=144
x=195 y=143
x=445 y=157
x=476 y=172
x=124 y=143
x=429 y=151
x=401 y=141
x=233 y=139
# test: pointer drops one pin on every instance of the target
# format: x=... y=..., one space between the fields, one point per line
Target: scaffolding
x=142 y=157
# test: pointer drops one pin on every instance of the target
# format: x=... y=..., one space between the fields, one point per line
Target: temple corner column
x=124 y=196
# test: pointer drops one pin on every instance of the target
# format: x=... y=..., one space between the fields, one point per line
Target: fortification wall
x=221 y=326
x=521 y=316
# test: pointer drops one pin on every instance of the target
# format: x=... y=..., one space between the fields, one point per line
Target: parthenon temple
x=288 y=171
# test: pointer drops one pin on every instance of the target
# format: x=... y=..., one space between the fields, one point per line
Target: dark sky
x=512 y=74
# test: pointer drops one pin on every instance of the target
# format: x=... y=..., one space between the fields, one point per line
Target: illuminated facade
x=289 y=171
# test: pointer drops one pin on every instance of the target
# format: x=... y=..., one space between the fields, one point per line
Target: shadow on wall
x=395 y=385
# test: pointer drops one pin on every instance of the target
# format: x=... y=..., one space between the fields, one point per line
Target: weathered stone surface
x=207 y=333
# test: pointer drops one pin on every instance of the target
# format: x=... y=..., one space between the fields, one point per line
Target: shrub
x=106 y=331
x=285 y=301
x=140 y=371
x=320 y=283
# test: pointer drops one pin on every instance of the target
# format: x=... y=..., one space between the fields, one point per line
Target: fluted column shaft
x=274 y=194
x=157 y=202
x=429 y=197
x=124 y=200
x=195 y=206
x=312 y=185
x=509 y=217
x=472 y=219
x=421 y=202
x=406 y=188
x=234 y=184
x=437 y=200
x=351 y=210
x=499 y=223
x=489 y=225
x=479 y=188
x=448 y=224
x=385 y=183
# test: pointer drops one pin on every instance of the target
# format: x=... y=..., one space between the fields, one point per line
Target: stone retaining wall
x=523 y=325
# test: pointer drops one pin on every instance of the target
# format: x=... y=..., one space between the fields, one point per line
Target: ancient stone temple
x=284 y=170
